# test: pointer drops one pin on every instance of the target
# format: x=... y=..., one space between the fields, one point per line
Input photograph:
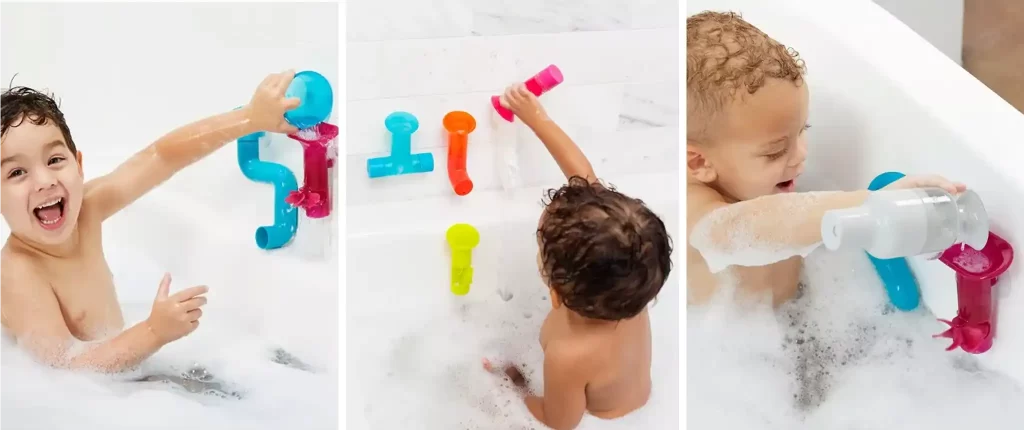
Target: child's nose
x=799 y=155
x=45 y=180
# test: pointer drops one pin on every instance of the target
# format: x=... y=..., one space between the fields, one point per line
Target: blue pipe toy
x=401 y=161
x=898 y=279
x=286 y=217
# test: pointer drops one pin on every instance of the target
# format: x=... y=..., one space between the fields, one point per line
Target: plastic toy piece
x=462 y=238
x=401 y=161
x=899 y=281
x=316 y=99
x=315 y=195
x=459 y=124
x=977 y=272
x=539 y=84
x=286 y=218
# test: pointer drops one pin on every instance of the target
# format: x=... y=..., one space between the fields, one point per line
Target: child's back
x=604 y=257
x=617 y=358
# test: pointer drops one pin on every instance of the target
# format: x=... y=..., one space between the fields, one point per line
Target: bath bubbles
x=755 y=232
x=837 y=358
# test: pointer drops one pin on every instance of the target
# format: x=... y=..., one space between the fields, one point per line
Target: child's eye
x=15 y=173
x=777 y=155
x=55 y=159
x=806 y=127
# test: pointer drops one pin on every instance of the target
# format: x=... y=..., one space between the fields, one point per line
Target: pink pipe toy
x=974 y=327
x=539 y=84
x=315 y=195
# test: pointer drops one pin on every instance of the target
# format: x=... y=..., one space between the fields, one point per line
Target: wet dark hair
x=20 y=104
x=605 y=254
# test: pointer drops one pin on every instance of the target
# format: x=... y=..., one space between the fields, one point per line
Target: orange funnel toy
x=459 y=124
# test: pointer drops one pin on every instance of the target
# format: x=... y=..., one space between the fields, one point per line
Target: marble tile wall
x=619 y=100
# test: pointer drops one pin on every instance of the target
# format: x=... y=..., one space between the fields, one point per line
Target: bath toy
x=315 y=195
x=401 y=161
x=316 y=99
x=462 y=238
x=977 y=272
x=899 y=281
x=459 y=124
x=285 y=217
x=539 y=84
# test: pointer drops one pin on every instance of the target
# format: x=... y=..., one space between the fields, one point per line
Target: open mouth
x=786 y=186
x=50 y=214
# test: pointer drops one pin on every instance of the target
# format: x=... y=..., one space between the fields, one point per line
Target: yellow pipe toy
x=462 y=238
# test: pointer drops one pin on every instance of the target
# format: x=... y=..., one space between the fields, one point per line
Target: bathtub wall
x=619 y=100
x=884 y=99
x=127 y=73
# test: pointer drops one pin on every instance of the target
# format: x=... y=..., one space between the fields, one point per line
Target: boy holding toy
x=747 y=109
x=58 y=296
x=604 y=256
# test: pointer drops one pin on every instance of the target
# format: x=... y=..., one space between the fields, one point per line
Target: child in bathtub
x=747 y=108
x=604 y=257
x=58 y=296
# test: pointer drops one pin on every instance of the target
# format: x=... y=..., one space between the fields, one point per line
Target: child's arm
x=565 y=383
x=32 y=312
x=772 y=228
x=565 y=152
x=186 y=145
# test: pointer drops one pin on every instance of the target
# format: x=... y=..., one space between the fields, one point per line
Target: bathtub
x=884 y=99
x=415 y=349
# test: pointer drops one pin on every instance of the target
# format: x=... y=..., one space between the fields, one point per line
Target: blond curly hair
x=725 y=54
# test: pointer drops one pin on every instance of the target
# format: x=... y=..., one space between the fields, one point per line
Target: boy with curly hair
x=746 y=146
x=604 y=257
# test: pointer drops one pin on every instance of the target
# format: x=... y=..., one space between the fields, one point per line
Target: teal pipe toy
x=401 y=161
x=899 y=281
x=286 y=217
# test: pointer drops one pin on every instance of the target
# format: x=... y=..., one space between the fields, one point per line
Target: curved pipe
x=459 y=124
x=286 y=217
x=899 y=281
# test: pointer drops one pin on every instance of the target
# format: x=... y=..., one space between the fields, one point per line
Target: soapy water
x=423 y=369
x=972 y=261
x=838 y=357
x=229 y=373
x=309 y=133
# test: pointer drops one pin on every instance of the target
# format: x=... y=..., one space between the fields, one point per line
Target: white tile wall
x=619 y=100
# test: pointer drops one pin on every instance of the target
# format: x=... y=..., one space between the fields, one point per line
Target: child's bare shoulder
x=701 y=199
x=21 y=269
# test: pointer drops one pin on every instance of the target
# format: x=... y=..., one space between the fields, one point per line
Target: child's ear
x=698 y=166
x=78 y=158
x=556 y=302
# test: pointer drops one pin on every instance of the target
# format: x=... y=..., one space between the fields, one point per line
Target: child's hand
x=927 y=181
x=174 y=317
x=268 y=105
x=511 y=371
x=524 y=104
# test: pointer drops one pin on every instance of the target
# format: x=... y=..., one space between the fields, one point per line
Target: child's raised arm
x=180 y=148
x=569 y=157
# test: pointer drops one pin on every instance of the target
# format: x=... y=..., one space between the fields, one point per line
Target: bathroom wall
x=619 y=101
x=940 y=22
x=127 y=73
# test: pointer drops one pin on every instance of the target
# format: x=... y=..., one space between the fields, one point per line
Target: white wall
x=619 y=100
x=882 y=100
x=127 y=73
x=940 y=22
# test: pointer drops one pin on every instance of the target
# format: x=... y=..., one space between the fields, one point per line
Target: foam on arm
x=767 y=229
x=32 y=313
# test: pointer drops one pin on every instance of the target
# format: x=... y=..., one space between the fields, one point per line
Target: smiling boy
x=57 y=295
